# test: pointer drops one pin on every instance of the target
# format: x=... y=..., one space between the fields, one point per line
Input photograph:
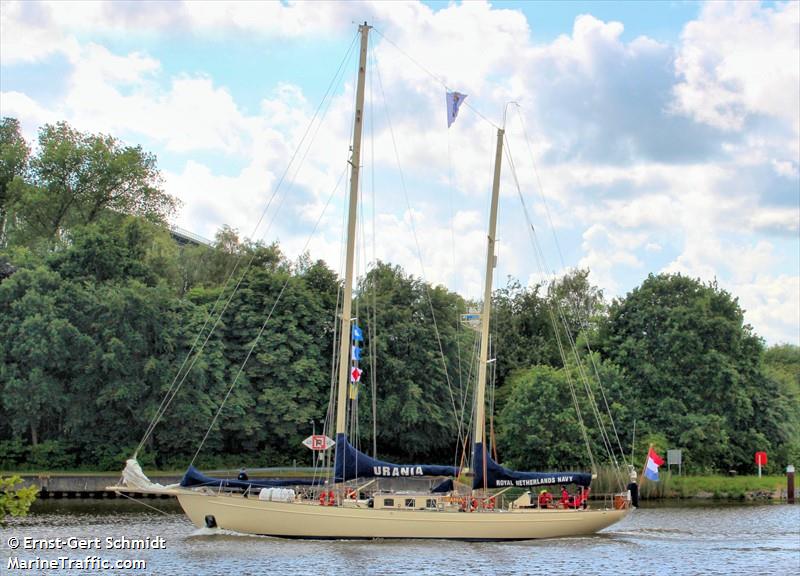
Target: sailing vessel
x=349 y=505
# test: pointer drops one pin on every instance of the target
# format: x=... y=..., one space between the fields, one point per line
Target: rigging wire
x=455 y=278
x=605 y=437
x=542 y=265
x=338 y=313
x=174 y=388
x=145 y=504
x=556 y=331
x=471 y=378
x=438 y=79
x=266 y=320
x=465 y=453
x=579 y=364
x=584 y=321
x=419 y=249
x=372 y=323
x=329 y=416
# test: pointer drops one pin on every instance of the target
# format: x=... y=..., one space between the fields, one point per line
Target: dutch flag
x=653 y=462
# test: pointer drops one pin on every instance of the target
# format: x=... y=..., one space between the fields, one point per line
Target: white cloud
x=30 y=113
x=741 y=59
x=782 y=219
x=95 y=62
x=772 y=306
x=113 y=93
x=28 y=33
x=606 y=248
x=638 y=164
x=786 y=168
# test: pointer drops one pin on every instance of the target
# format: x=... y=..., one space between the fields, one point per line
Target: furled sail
x=499 y=477
x=350 y=464
x=194 y=478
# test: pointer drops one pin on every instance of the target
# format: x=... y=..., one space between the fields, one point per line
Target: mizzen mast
x=347 y=298
x=480 y=395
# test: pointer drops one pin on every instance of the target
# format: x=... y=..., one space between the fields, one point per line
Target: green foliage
x=14 y=500
x=12 y=453
x=414 y=402
x=14 y=153
x=539 y=427
x=579 y=305
x=88 y=344
x=74 y=179
x=104 y=308
x=672 y=485
x=694 y=370
x=50 y=454
x=523 y=328
x=782 y=364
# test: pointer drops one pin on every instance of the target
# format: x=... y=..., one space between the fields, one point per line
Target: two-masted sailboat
x=350 y=505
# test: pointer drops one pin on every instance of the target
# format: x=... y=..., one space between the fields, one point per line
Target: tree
x=538 y=425
x=781 y=390
x=415 y=408
x=578 y=305
x=39 y=349
x=782 y=363
x=538 y=428
x=118 y=248
x=76 y=177
x=284 y=380
x=523 y=330
x=90 y=340
x=694 y=370
x=14 y=153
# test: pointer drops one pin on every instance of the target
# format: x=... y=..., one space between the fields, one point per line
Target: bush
x=15 y=501
x=50 y=455
x=12 y=453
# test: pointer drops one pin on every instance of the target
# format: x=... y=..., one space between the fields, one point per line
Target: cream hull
x=309 y=520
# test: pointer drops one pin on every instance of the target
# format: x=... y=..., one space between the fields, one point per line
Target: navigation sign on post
x=761 y=460
x=318 y=442
x=471 y=319
x=675 y=457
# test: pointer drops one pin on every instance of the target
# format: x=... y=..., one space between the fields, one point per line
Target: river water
x=669 y=540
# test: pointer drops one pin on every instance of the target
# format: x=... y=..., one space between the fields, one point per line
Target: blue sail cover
x=350 y=464
x=500 y=477
x=194 y=478
x=443 y=487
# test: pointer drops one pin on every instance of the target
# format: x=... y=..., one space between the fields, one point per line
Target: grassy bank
x=727 y=487
x=674 y=486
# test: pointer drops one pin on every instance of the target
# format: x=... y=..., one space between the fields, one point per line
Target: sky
x=646 y=137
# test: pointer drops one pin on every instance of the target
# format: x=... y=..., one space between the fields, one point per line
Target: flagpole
x=642 y=476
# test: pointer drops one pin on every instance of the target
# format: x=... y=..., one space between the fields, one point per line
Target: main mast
x=347 y=298
x=480 y=396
